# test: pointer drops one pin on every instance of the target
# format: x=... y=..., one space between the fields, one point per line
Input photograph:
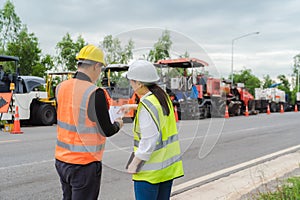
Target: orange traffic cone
x=17 y=127
x=268 y=110
x=296 y=108
x=246 y=112
x=175 y=113
x=226 y=112
x=281 y=109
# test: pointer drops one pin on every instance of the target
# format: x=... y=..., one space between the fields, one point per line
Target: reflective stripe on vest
x=165 y=161
x=76 y=148
x=161 y=144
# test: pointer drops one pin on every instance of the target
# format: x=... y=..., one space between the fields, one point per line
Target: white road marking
x=9 y=141
x=26 y=164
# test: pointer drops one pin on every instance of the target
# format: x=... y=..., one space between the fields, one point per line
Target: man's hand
x=120 y=121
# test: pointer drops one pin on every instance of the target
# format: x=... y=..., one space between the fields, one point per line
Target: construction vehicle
x=238 y=99
x=272 y=97
x=117 y=88
x=24 y=92
x=53 y=78
x=195 y=95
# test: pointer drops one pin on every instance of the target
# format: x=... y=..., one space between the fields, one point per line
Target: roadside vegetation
x=16 y=40
x=288 y=190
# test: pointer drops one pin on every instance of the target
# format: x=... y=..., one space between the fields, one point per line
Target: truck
x=117 y=88
x=194 y=94
x=272 y=97
x=24 y=92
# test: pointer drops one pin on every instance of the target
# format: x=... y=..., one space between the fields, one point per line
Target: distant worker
x=156 y=161
x=83 y=123
x=1 y=72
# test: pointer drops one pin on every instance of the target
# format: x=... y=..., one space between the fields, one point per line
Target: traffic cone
x=281 y=109
x=226 y=112
x=175 y=113
x=296 y=108
x=17 y=127
x=268 y=110
x=246 y=112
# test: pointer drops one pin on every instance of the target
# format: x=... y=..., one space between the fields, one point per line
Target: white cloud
x=212 y=24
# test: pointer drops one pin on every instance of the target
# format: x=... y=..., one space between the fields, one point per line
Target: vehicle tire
x=34 y=110
x=46 y=115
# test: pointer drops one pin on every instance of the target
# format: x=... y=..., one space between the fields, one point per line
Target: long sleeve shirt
x=149 y=134
x=98 y=110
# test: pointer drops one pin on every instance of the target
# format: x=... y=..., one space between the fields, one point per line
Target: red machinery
x=238 y=98
x=193 y=93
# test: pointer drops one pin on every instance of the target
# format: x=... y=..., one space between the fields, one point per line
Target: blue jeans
x=146 y=191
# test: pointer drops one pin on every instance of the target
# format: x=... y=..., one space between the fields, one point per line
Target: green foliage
x=295 y=74
x=48 y=62
x=161 y=48
x=245 y=76
x=185 y=55
x=290 y=190
x=114 y=52
x=67 y=50
x=10 y=25
x=26 y=48
x=16 y=41
x=267 y=82
x=285 y=85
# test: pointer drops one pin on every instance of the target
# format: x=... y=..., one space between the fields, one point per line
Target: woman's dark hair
x=161 y=96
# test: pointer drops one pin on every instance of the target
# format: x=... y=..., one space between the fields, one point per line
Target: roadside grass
x=289 y=190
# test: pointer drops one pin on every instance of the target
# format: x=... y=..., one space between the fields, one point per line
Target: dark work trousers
x=79 y=181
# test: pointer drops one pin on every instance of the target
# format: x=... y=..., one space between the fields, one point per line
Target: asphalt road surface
x=27 y=160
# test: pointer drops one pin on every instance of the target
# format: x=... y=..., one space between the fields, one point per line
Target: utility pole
x=232 y=44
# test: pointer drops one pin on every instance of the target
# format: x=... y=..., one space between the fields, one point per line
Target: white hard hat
x=142 y=70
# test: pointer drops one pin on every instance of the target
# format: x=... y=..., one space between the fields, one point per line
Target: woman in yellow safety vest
x=156 y=160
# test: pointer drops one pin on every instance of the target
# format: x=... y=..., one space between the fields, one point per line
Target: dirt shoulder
x=270 y=186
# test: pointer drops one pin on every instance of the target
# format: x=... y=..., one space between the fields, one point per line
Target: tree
x=67 y=50
x=114 y=51
x=267 y=82
x=26 y=48
x=48 y=62
x=127 y=54
x=185 y=55
x=10 y=25
x=285 y=86
x=161 y=48
x=295 y=75
x=245 y=76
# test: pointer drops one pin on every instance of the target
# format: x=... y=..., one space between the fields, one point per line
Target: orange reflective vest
x=78 y=138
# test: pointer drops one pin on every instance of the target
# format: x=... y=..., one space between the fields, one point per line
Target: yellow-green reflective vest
x=165 y=162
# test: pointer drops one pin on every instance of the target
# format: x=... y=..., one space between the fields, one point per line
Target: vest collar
x=82 y=76
x=147 y=94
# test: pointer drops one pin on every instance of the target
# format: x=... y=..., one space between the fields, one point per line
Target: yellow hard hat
x=91 y=52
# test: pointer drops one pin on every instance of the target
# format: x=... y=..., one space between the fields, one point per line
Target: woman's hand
x=127 y=107
x=135 y=165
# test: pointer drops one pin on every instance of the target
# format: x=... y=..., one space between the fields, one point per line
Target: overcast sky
x=210 y=25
